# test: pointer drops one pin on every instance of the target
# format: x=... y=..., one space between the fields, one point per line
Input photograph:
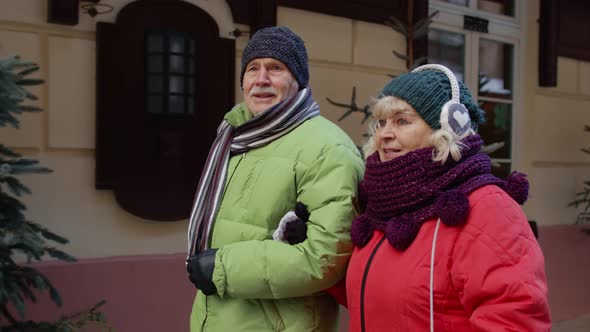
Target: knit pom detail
x=452 y=207
x=401 y=232
x=517 y=187
x=361 y=231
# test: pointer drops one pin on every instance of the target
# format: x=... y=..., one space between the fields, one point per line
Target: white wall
x=554 y=135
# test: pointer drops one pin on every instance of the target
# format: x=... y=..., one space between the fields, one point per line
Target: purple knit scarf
x=402 y=193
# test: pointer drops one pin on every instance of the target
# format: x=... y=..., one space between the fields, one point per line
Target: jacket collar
x=238 y=115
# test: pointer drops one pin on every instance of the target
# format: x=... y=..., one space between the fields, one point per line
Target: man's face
x=267 y=82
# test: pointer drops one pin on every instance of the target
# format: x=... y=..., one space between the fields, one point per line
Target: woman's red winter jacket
x=488 y=274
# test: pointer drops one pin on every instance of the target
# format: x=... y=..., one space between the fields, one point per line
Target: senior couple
x=289 y=221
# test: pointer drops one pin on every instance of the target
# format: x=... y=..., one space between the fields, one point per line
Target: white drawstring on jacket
x=432 y=276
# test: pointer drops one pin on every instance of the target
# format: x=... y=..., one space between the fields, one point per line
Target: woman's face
x=402 y=131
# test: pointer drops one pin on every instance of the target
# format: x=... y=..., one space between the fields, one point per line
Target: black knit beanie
x=282 y=44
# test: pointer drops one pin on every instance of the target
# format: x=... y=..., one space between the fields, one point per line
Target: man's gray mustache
x=262 y=90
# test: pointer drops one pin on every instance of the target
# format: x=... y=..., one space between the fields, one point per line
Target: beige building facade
x=344 y=53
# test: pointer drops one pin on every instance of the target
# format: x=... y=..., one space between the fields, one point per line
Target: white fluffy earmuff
x=454 y=116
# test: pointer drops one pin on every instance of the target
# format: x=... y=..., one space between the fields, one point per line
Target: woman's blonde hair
x=444 y=143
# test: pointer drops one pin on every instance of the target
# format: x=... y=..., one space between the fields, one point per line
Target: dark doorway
x=164 y=80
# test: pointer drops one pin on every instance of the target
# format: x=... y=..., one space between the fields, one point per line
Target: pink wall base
x=567 y=262
x=143 y=293
x=153 y=293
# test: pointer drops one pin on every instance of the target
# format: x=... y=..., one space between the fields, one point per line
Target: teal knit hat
x=427 y=91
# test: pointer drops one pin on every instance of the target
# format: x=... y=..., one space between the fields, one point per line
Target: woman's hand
x=293 y=226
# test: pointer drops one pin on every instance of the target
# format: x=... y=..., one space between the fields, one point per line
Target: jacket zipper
x=206 y=312
x=364 y=281
x=230 y=176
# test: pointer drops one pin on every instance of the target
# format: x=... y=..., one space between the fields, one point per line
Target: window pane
x=191 y=47
x=191 y=65
x=502 y=7
x=501 y=170
x=168 y=72
x=155 y=84
x=463 y=3
x=495 y=69
x=176 y=84
x=191 y=86
x=498 y=127
x=176 y=64
x=176 y=105
x=177 y=43
x=155 y=63
x=155 y=42
x=154 y=104
x=191 y=106
x=448 y=49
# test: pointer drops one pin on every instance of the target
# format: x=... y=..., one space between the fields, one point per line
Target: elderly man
x=272 y=152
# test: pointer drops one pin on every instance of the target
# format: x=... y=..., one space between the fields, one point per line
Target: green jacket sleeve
x=270 y=269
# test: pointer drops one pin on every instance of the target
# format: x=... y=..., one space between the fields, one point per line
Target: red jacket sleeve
x=498 y=268
x=338 y=292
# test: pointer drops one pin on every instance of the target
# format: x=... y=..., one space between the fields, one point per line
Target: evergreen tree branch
x=19 y=283
x=7 y=152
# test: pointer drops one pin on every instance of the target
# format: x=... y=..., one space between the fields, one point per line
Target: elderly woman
x=442 y=244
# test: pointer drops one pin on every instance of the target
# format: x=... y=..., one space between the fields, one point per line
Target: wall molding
x=560 y=164
x=50 y=29
x=549 y=92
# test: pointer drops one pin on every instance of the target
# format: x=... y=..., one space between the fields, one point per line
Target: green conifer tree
x=20 y=282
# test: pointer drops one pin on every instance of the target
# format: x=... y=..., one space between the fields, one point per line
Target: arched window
x=170 y=73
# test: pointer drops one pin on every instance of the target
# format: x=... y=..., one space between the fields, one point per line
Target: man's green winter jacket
x=265 y=285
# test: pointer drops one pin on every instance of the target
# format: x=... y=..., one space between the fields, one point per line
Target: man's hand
x=200 y=269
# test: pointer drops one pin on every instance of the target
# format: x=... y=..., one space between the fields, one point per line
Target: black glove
x=200 y=269
x=296 y=231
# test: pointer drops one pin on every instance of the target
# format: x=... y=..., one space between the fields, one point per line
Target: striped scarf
x=254 y=133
